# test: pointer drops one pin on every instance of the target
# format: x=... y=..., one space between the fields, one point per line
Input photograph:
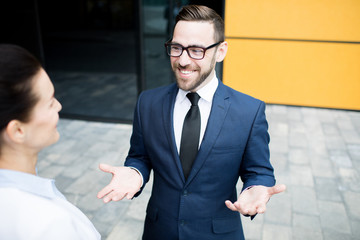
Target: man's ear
x=15 y=131
x=221 y=52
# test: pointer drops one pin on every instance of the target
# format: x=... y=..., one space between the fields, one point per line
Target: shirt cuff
x=142 y=179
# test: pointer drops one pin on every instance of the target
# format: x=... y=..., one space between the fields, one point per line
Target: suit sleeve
x=256 y=168
x=137 y=156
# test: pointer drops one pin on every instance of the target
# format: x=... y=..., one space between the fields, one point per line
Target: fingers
x=130 y=196
x=125 y=182
x=276 y=189
x=106 y=168
x=105 y=191
x=231 y=206
x=112 y=195
x=246 y=210
x=261 y=208
x=237 y=207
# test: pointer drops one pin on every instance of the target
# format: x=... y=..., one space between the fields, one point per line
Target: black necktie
x=190 y=134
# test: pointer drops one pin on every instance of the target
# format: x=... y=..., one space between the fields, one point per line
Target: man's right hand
x=126 y=182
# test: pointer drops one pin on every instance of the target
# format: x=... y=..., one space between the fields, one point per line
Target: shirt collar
x=206 y=92
x=43 y=187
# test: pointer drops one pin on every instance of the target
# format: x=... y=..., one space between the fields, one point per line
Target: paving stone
x=52 y=171
x=127 y=229
x=301 y=234
x=279 y=161
x=112 y=212
x=293 y=114
x=313 y=125
x=298 y=156
x=330 y=129
x=335 y=143
x=306 y=111
x=306 y=222
x=78 y=168
x=278 y=210
x=297 y=127
x=283 y=178
x=111 y=158
x=69 y=157
x=97 y=150
x=349 y=179
x=301 y=175
x=316 y=147
x=279 y=109
x=298 y=140
x=354 y=151
x=355 y=227
x=279 y=144
x=62 y=182
x=330 y=234
x=342 y=115
x=62 y=146
x=42 y=164
x=137 y=207
x=252 y=229
x=83 y=184
x=350 y=136
x=340 y=158
x=333 y=216
x=279 y=129
x=355 y=119
x=322 y=167
x=272 y=231
x=345 y=124
x=327 y=189
x=352 y=200
x=304 y=200
x=326 y=115
x=89 y=202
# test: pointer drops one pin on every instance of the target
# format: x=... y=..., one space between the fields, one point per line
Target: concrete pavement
x=315 y=152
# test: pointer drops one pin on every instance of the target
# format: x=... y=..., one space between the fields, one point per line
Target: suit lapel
x=217 y=116
x=168 y=107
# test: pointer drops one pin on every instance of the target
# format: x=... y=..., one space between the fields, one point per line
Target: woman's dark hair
x=203 y=14
x=17 y=70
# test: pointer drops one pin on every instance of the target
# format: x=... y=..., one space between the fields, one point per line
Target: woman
x=31 y=207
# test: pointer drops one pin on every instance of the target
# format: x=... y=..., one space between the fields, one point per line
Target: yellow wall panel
x=336 y=20
x=295 y=73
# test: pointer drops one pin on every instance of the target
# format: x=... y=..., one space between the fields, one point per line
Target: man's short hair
x=200 y=13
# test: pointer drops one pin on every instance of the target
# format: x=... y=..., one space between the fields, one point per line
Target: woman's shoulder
x=36 y=215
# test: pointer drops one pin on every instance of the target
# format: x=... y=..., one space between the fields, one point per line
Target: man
x=194 y=197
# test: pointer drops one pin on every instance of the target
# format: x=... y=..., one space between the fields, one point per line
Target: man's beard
x=197 y=82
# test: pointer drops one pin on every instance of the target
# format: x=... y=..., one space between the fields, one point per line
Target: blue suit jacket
x=235 y=144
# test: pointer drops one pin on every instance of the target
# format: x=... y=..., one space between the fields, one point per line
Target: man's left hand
x=254 y=199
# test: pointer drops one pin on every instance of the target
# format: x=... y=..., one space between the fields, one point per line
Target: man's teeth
x=186 y=72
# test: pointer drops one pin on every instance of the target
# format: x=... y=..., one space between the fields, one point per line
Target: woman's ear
x=221 y=52
x=15 y=131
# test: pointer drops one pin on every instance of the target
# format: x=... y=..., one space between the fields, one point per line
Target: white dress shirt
x=32 y=208
x=183 y=104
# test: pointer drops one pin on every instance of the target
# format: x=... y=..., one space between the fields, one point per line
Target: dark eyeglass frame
x=169 y=44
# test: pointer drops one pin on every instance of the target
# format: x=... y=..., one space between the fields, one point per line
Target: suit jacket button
x=185 y=193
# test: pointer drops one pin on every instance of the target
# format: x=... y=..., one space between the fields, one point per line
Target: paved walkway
x=315 y=152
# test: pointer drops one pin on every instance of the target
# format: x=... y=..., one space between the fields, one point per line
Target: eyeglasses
x=198 y=53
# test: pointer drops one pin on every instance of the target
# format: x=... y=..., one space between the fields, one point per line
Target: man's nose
x=184 y=59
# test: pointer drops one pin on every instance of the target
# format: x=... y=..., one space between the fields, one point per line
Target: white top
x=32 y=208
x=183 y=104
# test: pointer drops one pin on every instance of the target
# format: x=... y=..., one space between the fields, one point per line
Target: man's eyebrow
x=192 y=45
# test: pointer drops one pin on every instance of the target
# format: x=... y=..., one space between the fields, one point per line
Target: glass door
x=90 y=54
